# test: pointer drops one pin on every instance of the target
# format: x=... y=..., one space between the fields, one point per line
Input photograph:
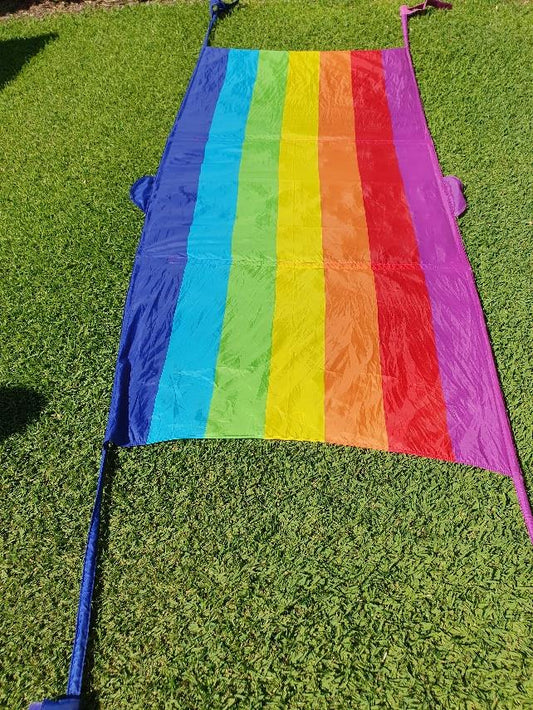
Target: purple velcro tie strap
x=66 y=702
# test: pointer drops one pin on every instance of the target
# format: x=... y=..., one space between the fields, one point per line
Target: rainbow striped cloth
x=301 y=274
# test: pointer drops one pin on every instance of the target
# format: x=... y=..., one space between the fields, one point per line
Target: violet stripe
x=477 y=420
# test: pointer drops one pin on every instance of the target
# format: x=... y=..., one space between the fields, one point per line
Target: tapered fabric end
x=525 y=505
x=66 y=702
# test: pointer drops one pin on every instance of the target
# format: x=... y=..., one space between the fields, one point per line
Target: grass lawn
x=247 y=574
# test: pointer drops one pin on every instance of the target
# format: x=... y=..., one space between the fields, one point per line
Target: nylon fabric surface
x=301 y=276
x=300 y=273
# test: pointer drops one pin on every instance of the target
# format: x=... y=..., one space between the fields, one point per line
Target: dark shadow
x=90 y=699
x=10 y=7
x=15 y=53
x=19 y=406
x=36 y=8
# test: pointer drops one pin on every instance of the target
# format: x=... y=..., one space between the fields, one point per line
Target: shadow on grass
x=15 y=53
x=19 y=406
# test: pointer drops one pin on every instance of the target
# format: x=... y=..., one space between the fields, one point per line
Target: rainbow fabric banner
x=301 y=274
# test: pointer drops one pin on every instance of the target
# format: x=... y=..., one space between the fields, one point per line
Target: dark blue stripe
x=162 y=256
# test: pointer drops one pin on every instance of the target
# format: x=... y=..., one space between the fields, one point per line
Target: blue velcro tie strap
x=66 y=702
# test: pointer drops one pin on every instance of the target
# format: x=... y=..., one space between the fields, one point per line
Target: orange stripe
x=353 y=387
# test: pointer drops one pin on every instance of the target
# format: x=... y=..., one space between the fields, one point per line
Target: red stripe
x=415 y=411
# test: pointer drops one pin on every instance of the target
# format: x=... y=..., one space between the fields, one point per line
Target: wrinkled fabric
x=301 y=275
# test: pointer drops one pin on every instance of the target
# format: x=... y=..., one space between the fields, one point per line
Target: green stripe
x=238 y=403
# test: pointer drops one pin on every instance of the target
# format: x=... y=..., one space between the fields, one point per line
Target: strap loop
x=219 y=6
x=406 y=12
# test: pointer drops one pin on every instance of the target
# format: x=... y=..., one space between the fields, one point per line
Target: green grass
x=247 y=574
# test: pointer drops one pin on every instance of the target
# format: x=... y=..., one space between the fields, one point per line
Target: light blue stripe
x=186 y=384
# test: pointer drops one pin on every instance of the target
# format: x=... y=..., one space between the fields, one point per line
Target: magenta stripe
x=477 y=420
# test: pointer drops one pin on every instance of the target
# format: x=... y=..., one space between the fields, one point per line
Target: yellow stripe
x=295 y=403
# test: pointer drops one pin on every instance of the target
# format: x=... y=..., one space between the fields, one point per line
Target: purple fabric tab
x=454 y=188
x=477 y=419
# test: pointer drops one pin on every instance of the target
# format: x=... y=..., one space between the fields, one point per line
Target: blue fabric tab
x=141 y=191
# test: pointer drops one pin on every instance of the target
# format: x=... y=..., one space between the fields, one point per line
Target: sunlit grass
x=247 y=574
